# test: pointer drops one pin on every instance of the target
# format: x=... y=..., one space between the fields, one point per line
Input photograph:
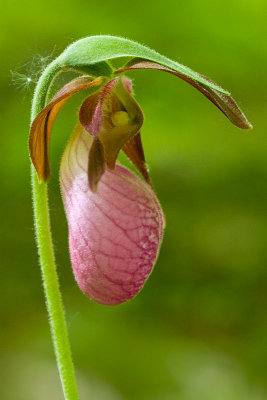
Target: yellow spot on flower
x=120 y=118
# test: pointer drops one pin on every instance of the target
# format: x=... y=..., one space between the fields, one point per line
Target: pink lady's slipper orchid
x=115 y=220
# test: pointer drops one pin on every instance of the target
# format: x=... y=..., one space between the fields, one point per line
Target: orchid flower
x=115 y=219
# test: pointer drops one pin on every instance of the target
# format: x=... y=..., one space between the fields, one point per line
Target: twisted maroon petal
x=41 y=127
x=224 y=102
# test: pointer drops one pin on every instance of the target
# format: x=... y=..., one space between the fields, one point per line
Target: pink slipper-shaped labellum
x=114 y=233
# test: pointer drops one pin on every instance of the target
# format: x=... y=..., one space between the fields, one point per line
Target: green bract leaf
x=97 y=49
x=99 y=69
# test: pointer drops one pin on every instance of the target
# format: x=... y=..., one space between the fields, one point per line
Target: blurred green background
x=199 y=328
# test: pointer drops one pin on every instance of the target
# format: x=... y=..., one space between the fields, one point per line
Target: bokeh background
x=199 y=328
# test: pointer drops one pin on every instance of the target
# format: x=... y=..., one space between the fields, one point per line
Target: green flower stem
x=47 y=260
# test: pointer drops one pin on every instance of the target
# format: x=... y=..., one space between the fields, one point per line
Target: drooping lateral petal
x=114 y=234
x=134 y=150
x=42 y=125
x=96 y=164
x=224 y=102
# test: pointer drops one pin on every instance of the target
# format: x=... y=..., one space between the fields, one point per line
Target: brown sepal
x=225 y=103
x=42 y=125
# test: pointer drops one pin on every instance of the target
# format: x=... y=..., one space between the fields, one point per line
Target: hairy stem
x=46 y=253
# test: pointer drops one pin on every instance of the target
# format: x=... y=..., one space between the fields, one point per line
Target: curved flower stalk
x=115 y=220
